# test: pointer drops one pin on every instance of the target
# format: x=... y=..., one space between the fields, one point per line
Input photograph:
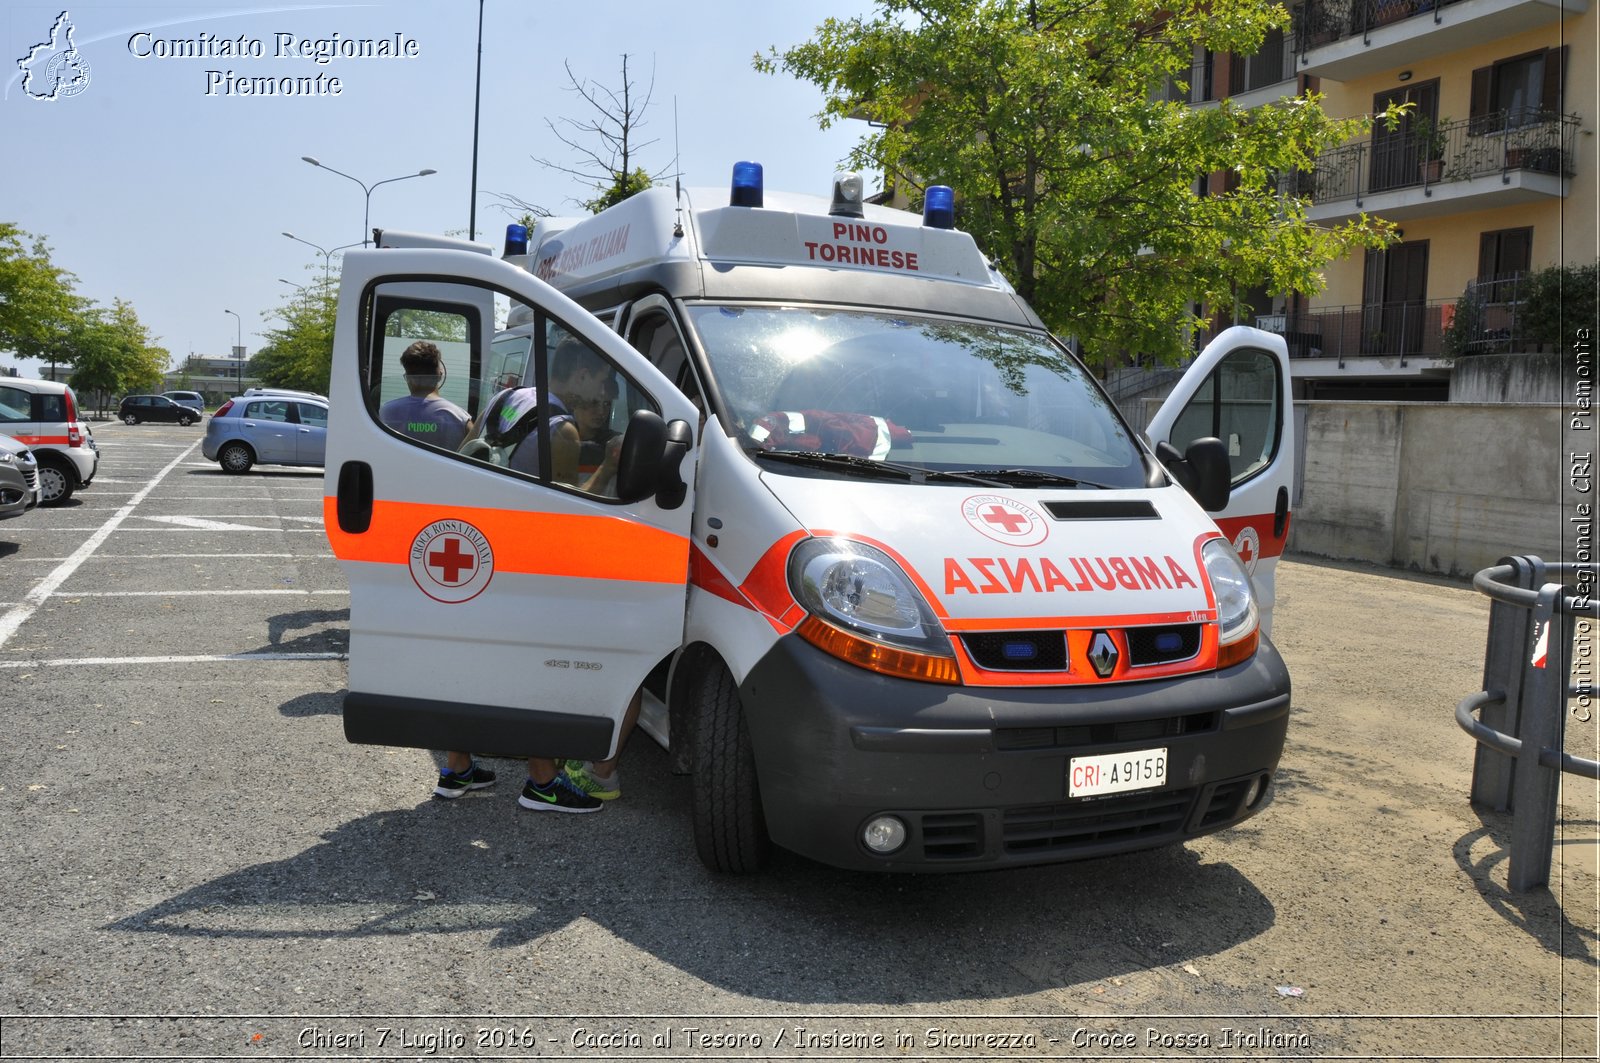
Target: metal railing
x=1399 y=329
x=1320 y=22
x=1488 y=318
x=1427 y=154
x=1522 y=708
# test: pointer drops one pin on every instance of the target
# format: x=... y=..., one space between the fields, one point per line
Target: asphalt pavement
x=197 y=865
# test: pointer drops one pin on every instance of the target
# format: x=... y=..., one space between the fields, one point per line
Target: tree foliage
x=299 y=354
x=109 y=350
x=112 y=353
x=36 y=299
x=1048 y=119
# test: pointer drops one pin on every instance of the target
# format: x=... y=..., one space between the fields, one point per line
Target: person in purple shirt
x=424 y=415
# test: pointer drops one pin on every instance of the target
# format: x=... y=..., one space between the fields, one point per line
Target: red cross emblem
x=452 y=559
x=1011 y=521
x=1005 y=520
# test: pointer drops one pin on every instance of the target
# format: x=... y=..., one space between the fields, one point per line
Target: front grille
x=1082 y=824
x=1018 y=651
x=1162 y=645
x=1087 y=734
x=30 y=476
x=951 y=835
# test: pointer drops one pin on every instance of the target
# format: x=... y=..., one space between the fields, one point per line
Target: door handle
x=354 y=502
x=1280 y=514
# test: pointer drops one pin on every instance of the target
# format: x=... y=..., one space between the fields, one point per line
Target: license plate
x=1115 y=773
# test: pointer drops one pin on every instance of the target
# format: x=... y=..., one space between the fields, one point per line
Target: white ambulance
x=902 y=589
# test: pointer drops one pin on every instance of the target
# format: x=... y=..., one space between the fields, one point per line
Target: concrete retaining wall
x=1510 y=378
x=1439 y=487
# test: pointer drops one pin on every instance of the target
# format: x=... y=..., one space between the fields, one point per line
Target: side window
x=422 y=374
x=16 y=405
x=52 y=408
x=268 y=410
x=1239 y=403
x=312 y=414
x=564 y=425
x=656 y=337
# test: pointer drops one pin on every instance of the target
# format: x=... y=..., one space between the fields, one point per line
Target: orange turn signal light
x=1237 y=652
x=876 y=657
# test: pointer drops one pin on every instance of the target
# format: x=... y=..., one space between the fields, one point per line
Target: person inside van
x=579 y=378
x=424 y=414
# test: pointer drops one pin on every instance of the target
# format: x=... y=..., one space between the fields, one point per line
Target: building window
x=1517 y=91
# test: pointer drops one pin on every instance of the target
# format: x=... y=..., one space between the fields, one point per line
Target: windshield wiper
x=1032 y=476
x=818 y=459
x=889 y=469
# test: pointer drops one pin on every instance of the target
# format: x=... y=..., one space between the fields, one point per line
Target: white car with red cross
x=897 y=583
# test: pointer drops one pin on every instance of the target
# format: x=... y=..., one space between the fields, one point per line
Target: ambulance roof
x=700 y=246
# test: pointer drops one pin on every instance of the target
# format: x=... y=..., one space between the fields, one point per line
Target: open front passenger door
x=500 y=601
x=1238 y=390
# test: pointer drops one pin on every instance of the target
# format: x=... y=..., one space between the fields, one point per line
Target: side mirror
x=643 y=445
x=1202 y=470
x=671 y=489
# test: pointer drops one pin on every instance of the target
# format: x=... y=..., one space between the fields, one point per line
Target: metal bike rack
x=1522 y=707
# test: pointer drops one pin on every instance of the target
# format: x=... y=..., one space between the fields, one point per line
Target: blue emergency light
x=939 y=207
x=516 y=239
x=747 y=185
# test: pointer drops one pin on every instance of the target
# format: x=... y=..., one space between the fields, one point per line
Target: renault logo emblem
x=1103 y=654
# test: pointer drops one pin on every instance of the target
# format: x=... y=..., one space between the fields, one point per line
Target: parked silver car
x=19 y=478
x=266 y=430
x=192 y=399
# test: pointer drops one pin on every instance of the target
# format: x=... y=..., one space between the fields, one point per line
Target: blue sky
x=156 y=185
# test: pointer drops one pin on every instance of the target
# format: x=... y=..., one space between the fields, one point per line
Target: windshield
x=941 y=396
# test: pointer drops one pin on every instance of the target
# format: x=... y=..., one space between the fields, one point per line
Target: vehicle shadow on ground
x=319 y=637
x=1537 y=912
x=799 y=932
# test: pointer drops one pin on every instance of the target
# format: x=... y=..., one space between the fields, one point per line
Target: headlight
x=1237 y=618
x=864 y=610
x=6 y=457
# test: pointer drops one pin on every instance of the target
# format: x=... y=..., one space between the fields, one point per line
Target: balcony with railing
x=1423 y=169
x=1400 y=332
x=1346 y=39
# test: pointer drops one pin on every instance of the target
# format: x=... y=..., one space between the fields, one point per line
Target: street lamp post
x=366 y=218
x=238 y=347
x=327 y=254
x=299 y=289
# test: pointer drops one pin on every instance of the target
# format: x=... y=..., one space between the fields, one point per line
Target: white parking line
x=74 y=662
x=189 y=594
x=18 y=614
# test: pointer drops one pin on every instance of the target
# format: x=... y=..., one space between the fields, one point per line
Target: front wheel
x=185 y=421
x=236 y=457
x=130 y=419
x=730 y=830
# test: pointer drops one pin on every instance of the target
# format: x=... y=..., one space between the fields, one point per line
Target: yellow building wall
x=1564 y=230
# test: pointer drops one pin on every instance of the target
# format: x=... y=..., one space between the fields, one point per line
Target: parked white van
x=902 y=589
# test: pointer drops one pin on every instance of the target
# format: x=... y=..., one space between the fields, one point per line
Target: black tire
x=185 y=421
x=730 y=830
x=129 y=419
x=57 y=481
x=236 y=458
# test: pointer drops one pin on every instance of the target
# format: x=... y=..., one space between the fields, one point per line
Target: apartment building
x=1492 y=173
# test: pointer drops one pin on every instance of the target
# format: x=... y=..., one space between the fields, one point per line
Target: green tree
x=299 y=354
x=111 y=353
x=1048 y=117
x=36 y=299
